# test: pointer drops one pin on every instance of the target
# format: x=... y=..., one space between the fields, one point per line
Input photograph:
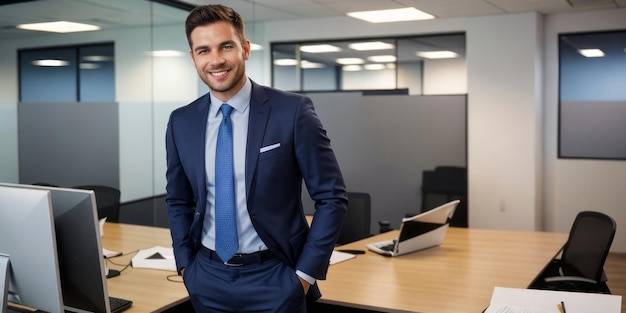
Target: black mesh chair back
x=442 y=185
x=107 y=201
x=588 y=245
x=356 y=224
x=581 y=265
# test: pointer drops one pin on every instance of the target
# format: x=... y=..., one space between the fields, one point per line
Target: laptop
x=418 y=232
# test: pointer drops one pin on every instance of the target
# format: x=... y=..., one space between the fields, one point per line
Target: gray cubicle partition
x=383 y=143
x=69 y=144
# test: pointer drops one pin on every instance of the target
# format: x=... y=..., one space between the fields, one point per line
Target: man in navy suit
x=278 y=142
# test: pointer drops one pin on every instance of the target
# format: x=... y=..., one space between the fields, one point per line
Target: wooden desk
x=458 y=276
x=150 y=290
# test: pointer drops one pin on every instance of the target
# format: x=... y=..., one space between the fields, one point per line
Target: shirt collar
x=240 y=101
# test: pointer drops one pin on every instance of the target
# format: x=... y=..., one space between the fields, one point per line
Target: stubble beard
x=226 y=85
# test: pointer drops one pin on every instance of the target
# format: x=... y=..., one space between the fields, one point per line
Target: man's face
x=219 y=57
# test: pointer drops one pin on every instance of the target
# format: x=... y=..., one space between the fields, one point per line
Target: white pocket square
x=270 y=147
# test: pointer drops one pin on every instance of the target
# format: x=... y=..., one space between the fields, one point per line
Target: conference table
x=458 y=276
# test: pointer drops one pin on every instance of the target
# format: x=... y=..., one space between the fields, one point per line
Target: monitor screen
x=79 y=248
x=27 y=240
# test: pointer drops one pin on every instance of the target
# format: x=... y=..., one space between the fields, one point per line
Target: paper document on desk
x=157 y=257
x=339 y=256
x=514 y=300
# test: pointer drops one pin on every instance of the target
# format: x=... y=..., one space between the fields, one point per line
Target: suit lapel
x=259 y=114
x=199 y=133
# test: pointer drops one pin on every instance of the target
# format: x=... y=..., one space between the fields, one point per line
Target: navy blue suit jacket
x=273 y=179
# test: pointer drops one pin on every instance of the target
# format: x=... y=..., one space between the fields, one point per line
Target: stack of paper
x=339 y=256
x=157 y=257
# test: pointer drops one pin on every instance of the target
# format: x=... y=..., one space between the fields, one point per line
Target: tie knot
x=226 y=110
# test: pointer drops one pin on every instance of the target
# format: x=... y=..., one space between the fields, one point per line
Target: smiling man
x=236 y=161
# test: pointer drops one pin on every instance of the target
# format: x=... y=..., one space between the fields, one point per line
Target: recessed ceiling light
x=372 y=45
x=591 y=53
x=59 y=27
x=437 y=54
x=88 y=66
x=374 y=67
x=382 y=58
x=97 y=58
x=255 y=47
x=303 y=64
x=352 y=68
x=167 y=53
x=50 y=62
x=319 y=48
x=309 y=65
x=347 y=61
x=285 y=62
x=393 y=15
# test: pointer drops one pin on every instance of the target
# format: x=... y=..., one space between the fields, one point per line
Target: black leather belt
x=240 y=259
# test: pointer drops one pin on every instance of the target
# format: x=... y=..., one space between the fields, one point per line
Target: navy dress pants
x=264 y=287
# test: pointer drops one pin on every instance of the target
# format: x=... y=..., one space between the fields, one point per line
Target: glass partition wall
x=152 y=74
x=417 y=65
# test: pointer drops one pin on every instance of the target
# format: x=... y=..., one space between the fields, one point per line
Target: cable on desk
x=124 y=266
x=179 y=279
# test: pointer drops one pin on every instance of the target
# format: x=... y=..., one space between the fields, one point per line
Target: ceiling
x=119 y=14
x=113 y=14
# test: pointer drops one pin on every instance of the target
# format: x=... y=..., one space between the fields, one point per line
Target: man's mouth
x=219 y=74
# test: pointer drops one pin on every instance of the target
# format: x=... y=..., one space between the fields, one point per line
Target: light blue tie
x=226 y=242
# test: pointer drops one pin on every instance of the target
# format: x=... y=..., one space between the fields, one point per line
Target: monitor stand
x=4 y=282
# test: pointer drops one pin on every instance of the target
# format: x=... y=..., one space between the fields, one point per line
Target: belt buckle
x=235 y=264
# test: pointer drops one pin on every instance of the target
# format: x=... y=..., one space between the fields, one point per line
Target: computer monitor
x=29 y=251
x=79 y=248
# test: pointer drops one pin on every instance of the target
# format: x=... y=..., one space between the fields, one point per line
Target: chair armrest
x=569 y=279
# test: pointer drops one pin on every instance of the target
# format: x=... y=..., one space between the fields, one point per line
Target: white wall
x=578 y=185
x=503 y=122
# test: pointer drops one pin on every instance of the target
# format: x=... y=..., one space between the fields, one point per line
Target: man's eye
x=228 y=47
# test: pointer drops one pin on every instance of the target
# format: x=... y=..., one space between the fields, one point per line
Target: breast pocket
x=270 y=151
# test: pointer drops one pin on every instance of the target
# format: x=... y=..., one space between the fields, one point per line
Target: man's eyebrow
x=205 y=47
x=198 y=48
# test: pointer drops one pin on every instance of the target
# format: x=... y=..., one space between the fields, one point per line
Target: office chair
x=356 y=224
x=581 y=266
x=107 y=201
x=442 y=185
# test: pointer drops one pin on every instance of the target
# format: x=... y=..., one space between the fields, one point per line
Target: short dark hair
x=212 y=13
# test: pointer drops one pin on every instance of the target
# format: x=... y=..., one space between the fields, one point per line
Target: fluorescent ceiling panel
x=437 y=54
x=352 y=68
x=59 y=27
x=374 y=67
x=97 y=58
x=50 y=62
x=167 y=53
x=285 y=62
x=348 y=61
x=320 y=48
x=309 y=65
x=372 y=45
x=393 y=15
x=591 y=53
x=382 y=58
